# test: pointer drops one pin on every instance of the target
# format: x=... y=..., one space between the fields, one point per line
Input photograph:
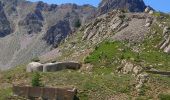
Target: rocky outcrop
x=141 y=77
x=104 y=25
x=149 y=10
x=132 y=27
x=58 y=32
x=127 y=67
x=126 y=5
x=165 y=43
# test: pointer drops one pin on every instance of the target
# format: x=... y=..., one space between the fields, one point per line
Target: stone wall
x=45 y=93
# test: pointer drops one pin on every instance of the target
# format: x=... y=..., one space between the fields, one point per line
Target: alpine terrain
x=116 y=51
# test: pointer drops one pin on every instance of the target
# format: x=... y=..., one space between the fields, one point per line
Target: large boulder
x=34 y=67
x=52 y=67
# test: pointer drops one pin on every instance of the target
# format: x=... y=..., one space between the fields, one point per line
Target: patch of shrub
x=164 y=97
x=36 y=82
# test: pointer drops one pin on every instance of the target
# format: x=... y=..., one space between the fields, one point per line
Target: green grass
x=95 y=86
x=106 y=52
x=98 y=85
x=152 y=55
x=164 y=97
x=5 y=93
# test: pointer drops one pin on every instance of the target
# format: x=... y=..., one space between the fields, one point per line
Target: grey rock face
x=58 y=32
x=5 y=28
x=165 y=43
x=33 y=22
x=127 y=5
x=117 y=26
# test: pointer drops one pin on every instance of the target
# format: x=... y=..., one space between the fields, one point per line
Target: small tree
x=77 y=23
x=36 y=82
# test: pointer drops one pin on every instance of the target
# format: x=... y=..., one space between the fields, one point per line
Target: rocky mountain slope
x=29 y=29
x=124 y=54
x=117 y=62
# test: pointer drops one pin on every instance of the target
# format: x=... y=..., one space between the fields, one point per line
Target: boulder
x=166 y=30
x=142 y=78
x=148 y=25
x=52 y=67
x=167 y=49
x=34 y=67
x=147 y=9
x=151 y=12
x=125 y=67
x=148 y=20
x=137 y=70
x=160 y=25
x=128 y=68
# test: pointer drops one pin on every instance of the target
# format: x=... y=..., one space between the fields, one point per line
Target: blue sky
x=159 y=5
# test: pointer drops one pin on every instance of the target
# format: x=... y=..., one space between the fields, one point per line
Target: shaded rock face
x=33 y=22
x=5 y=28
x=57 y=32
x=127 y=5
